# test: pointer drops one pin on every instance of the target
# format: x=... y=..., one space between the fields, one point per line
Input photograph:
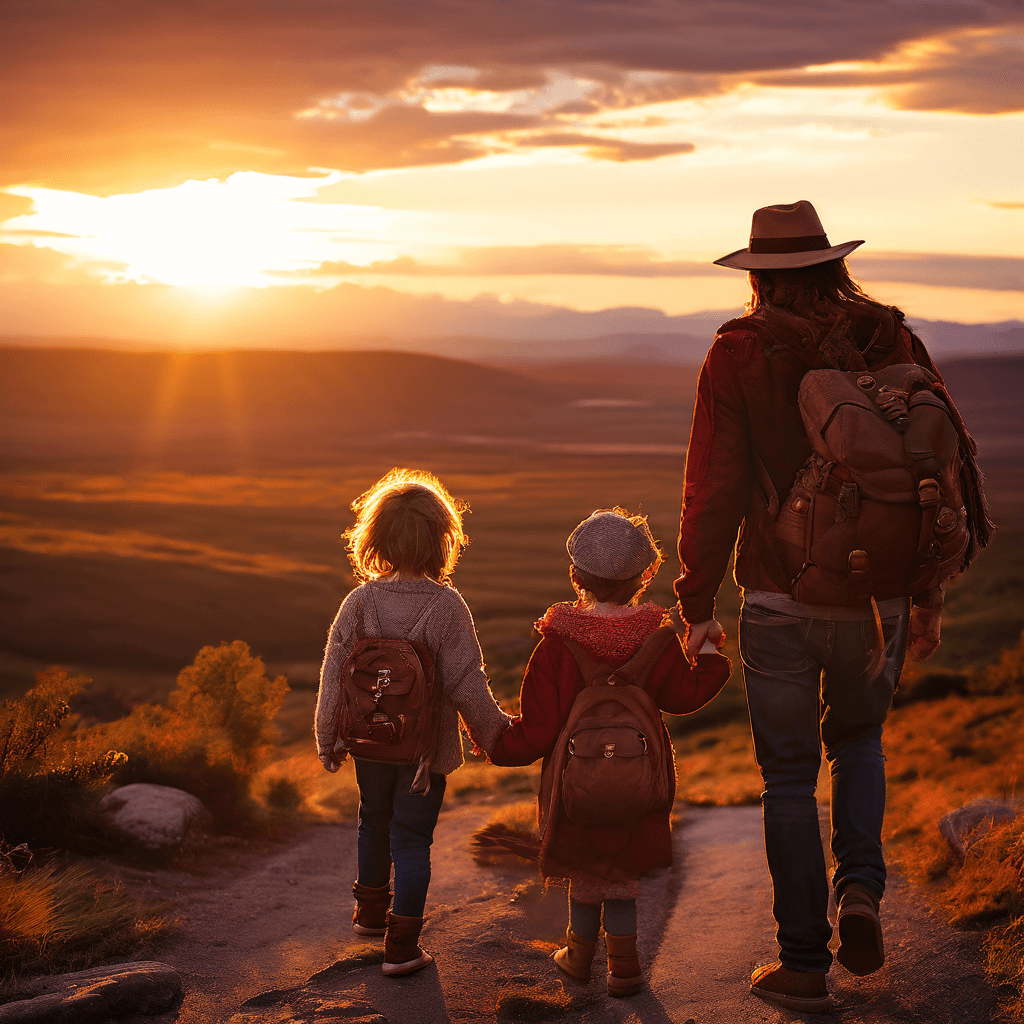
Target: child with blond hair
x=606 y=637
x=403 y=547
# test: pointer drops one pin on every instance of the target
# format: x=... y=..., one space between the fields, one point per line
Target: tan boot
x=371 y=914
x=860 y=931
x=624 y=975
x=794 y=990
x=576 y=956
x=402 y=954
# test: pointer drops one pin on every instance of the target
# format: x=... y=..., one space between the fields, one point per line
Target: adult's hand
x=699 y=632
x=925 y=627
x=329 y=763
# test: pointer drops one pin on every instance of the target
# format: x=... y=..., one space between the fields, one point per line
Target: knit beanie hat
x=610 y=545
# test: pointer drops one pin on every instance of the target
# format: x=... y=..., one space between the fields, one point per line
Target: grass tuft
x=55 y=919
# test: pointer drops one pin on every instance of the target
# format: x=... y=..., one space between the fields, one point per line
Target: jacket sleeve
x=717 y=479
x=340 y=641
x=460 y=663
x=532 y=735
x=679 y=688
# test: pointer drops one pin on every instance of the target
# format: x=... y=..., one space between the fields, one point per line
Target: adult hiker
x=825 y=448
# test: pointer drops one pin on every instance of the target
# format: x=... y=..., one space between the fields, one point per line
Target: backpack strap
x=376 y=615
x=426 y=608
x=634 y=672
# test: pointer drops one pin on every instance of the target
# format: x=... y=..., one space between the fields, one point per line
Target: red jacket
x=746 y=403
x=552 y=681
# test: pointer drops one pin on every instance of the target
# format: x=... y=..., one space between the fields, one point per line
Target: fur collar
x=610 y=638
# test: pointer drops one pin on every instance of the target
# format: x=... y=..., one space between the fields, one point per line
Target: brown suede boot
x=371 y=914
x=576 y=956
x=794 y=990
x=860 y=931
x=402 y=954
x=624 y=975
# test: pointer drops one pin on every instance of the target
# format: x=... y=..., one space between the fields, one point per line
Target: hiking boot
x=371 y=914
x=402 y=954
x=624 y=975
x=576 y=956
x=794 y=990
x=860 y=931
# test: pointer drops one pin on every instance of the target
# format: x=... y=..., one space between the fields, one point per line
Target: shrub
x=226 y=690
x=210 y=738
x=48 y=785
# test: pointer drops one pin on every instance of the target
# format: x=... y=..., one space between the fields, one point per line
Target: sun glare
x=211 y=235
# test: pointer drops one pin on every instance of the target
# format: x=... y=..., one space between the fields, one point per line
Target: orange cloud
x=122 y=96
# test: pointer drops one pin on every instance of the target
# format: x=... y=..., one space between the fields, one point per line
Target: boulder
x=966 y=825
x=96 y=995
x=155 y=816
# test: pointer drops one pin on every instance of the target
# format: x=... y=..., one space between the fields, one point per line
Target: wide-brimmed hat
x=786 y=236
x=611 y=546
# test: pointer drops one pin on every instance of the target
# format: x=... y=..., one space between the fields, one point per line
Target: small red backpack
x=391 y=699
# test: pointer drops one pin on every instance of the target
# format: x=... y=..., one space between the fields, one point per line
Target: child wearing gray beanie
x=613 y=558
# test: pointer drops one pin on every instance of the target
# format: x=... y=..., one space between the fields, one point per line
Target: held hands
x=925 y=627
x=698 y=637
x=704 y=635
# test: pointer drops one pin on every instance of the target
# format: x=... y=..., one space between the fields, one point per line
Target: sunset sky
x=290 y=171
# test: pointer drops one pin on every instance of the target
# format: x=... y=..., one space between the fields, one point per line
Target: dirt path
x=277 y=939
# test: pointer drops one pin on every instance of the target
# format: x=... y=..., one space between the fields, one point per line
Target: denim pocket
x=758 y=615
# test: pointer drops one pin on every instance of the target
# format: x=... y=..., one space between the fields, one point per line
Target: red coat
x=747 y=402
x=552 y=681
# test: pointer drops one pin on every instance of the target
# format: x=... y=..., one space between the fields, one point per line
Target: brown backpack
x=616 y=758
x=391 y=700
x=878 y=510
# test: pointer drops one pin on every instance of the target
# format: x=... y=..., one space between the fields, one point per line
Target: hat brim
x=744 y=259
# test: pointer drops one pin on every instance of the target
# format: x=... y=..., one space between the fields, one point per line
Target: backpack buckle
x=383 y=682
x=609 y=750
x=928 y=492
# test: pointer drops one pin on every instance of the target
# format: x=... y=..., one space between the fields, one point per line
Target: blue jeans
x=807 y=688
x=396 y=826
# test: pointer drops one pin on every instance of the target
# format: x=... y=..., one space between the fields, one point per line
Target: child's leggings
x=619 y=918
x=395 y=826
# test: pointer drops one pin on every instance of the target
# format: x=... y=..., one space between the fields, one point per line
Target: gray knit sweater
x=449 y=633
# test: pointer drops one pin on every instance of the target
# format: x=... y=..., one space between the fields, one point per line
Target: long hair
x=817 y=296
x=406 y=522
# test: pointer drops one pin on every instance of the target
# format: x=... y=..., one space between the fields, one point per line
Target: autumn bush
x=50 y=784
x=211 y=737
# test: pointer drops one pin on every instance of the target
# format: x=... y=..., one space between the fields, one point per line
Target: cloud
x=972 y=72
x=608 y=149
x=949 y=270
x=994 y=273
x=109 y=97
x=1006 y=206
x=515 y=260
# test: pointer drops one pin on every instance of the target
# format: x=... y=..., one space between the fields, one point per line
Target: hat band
x=795 y=243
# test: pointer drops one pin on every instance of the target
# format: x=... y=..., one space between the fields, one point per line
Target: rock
x=301 y=1004
x=156 y=816
x=95 y=995
x=963 y=827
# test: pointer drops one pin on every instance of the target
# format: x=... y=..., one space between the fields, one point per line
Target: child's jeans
x=397 y=826
x=585 y=918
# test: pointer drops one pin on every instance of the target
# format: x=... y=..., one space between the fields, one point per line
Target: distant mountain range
x=631 y=335
x=223 y=409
